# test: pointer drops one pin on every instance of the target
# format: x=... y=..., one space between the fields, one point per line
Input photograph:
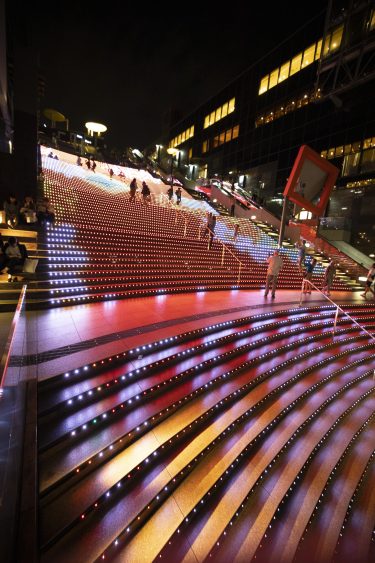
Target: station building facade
x=317 y=88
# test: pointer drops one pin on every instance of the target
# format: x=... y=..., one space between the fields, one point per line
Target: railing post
x=222 y=256
x=300 y=299
x=335 y=322
x=239 y=273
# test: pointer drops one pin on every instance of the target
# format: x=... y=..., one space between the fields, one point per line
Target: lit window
x=183 y=137
x=356 y=147
x=372 y=20
x=295 y=64
x=218 y=114
x=205 y=146
x=212 y=118
x=228 y=135
x=231 y=105
x=339 y=151
x=326 y=45
x=284 y=72
x=347 y=149
x=308 y=56
x=224 y=110
x=350 y=164
x=367 y=143
x=273 y=78
x=368 y=161
x=263 y=85
x=190 y=154
x=192 y=131
x=323 y=154
x=216 y=141
x=336 y=39
x=318 y=49
x=236 y=131
x=331 y=153
x=206 y=122
x=222 y=138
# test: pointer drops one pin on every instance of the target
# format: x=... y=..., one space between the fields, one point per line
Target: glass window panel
x=190 y=152
x=204 y=146
x=216 y=141
x=368 y=161
x=372 y=21
x=326 y=45
x=224 y=110
x=228 y=135
x=347 y=149
x=356 y=147
x=206 y=122
x=350 y=164
x=323 y=154
x=318 y=49
x=218 y=114
x=192 y=131
x=236 y=131
x=263 y=85
x=222 y=138
x=331 y=153
x=284 y=72
x=179 y=139
x=336 y=38
x=212 y=117
x=295 y=65
x=367 y=143
x=308 y=56
x=231 y=105
x=183 y=137
x=339 y=151
x=273 y=78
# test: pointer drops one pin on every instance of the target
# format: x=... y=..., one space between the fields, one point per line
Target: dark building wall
x=19 y=169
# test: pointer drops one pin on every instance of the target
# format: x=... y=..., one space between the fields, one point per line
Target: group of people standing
x=308 y=269
x=145 y=191
x=177 y=193
x=275 y=264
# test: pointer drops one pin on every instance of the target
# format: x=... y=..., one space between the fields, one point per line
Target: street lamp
x=173 y=153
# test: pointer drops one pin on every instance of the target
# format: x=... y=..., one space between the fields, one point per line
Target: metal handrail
x=226 y=247
x=338 y=308
x=8 y=346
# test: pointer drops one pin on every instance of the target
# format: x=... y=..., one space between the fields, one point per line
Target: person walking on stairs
x=369 y=281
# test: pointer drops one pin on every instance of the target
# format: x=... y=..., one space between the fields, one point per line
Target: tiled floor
x=143 y=319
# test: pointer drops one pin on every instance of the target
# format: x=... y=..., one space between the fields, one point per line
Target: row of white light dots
x=145 y=394
x=304 y=467
x=158 y=499
x=297 y=317
x=316 y=449
x=334 y=470
x=352 y=501
x=122 y=380
x=282 y=414
x=245 y=388
x=131 y=284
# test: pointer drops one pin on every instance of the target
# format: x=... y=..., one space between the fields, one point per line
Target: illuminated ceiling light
x=94 y=127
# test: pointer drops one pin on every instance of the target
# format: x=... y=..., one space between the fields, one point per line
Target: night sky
x=126 y=64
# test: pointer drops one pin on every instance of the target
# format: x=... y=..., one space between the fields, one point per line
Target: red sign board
x=311 y=181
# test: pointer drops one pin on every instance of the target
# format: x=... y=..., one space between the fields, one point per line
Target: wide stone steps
x=239 y=418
